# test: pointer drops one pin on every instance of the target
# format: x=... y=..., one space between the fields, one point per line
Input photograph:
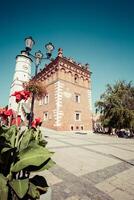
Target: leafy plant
x=20 y=154
x=116 y=106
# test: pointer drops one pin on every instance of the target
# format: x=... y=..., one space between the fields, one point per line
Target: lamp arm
x=43 y=58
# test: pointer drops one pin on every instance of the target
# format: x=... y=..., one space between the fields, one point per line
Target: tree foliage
x=116 y=106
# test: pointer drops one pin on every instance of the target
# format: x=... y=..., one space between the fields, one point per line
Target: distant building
x=67 y=105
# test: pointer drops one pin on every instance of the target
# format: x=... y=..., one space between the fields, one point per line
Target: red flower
x=36 y=122
x=5 y=113
x=18 y=121
x=23 y=94
x=8 y=112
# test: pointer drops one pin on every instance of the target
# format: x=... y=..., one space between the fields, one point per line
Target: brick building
x=67 y=105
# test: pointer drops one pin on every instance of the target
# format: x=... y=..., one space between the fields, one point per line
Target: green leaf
x=49 y=164
x=14 y=132
x=25 y=139
x=3 y=143
x=5 y=149
x=44 y=166
x=33 y=192
x=42 y=143
x=20 y=187
x=9 y=134
x=33 y=155
x=3 y=188
x=7 y=158
x=13 y=129
x=3 y=129
x=40 y=182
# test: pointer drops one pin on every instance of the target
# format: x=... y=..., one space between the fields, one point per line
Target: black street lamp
x=29 y=42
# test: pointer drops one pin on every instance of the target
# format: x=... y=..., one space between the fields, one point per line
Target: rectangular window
x=77 y=98
x=77 y=116
x=45 y=116
x=46 y=99
x=40 y=102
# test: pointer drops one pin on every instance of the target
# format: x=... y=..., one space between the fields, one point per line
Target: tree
x=116 y=106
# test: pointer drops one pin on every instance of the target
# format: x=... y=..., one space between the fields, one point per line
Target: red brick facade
x=68 y=103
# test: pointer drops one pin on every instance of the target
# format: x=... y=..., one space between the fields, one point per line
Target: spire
x=60 y=52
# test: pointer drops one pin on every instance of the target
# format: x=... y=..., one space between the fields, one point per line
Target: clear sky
x=100 y=32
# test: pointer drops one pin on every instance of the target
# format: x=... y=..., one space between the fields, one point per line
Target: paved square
x=90 y=166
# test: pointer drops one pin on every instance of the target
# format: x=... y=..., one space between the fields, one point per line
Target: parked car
x=123 y=133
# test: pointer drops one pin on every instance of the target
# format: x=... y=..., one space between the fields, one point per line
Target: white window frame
x=46 y=99
x=77 y=98
x=40 y=102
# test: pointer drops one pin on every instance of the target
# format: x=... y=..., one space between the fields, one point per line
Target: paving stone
x=77 y=155
x=51 y=178
x=85 y=198
x=77 y=186
x=106 y=187
x=59 y=192
x=101 y=175
x=73 y=198
x=118 y=194
x=68 y=191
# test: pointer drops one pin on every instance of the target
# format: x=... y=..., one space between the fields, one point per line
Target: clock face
x=25 y=67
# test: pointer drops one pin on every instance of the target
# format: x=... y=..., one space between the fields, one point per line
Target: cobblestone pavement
x=90 y=166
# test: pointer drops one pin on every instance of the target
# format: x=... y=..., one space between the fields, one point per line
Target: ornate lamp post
x=29 y=42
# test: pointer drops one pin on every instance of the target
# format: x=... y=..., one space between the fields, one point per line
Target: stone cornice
x=48 y=69
x=73 y=64
x=63 y=63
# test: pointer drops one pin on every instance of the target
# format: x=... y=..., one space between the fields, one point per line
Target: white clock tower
x=22 y=74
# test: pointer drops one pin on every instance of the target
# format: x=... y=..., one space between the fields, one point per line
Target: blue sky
x=100 y=32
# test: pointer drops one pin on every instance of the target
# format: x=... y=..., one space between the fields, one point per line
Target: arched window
x=69 y=76
x=76 y=78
